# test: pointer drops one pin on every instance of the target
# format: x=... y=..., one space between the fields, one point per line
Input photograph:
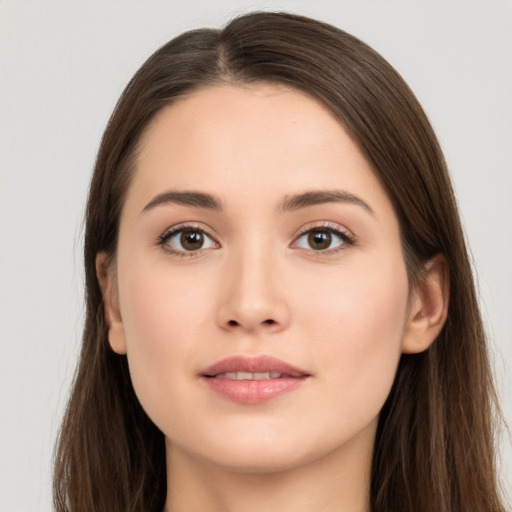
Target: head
x=434 y=391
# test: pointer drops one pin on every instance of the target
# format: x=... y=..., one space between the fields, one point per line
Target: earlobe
x=107 y=281
x=428 y=308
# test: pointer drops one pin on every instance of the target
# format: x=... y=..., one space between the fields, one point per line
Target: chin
x=265 y=453
x=258 y=445
x=260 y=461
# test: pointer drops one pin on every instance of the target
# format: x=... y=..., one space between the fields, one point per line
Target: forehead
x=245 y=140
x=243 y=116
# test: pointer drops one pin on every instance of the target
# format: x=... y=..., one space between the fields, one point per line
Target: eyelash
x=164 y=238
x=347 y=238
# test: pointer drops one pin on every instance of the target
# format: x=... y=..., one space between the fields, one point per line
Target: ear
x=428 y=307
x=105 y=272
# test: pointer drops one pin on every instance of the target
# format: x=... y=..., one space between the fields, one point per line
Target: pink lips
x=253 y=380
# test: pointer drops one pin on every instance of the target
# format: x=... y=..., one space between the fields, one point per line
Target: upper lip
x=253 y=364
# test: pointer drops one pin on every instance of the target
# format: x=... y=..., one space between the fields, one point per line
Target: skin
x=258 y=287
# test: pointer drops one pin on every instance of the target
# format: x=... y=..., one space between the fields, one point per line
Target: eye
x=324 y=239
x=186 y=239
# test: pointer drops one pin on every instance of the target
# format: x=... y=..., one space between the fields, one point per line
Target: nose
x=253 y=295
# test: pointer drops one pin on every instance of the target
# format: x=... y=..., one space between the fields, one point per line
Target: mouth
x=253 y=380
x=252 y=376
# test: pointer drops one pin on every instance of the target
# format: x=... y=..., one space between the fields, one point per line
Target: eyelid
x=184 y=226
x=347 y=236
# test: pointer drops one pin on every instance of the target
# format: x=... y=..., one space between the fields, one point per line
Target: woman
x=280 y=306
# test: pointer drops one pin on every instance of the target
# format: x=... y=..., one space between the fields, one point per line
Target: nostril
x=234 y=323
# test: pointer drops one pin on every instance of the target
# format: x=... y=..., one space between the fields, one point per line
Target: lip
x=253 y=391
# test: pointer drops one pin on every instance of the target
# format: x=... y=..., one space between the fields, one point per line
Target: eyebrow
x=316 y=197
x=290 y=203
x=187 y=198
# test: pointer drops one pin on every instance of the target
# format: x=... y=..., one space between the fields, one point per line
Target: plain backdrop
x=63 y=66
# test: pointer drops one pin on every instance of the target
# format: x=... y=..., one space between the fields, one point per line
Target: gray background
x=62 y=68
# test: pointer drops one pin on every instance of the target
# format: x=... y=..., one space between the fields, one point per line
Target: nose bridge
x=254 y=296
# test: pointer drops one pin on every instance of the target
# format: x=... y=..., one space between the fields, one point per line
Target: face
x=259 y=288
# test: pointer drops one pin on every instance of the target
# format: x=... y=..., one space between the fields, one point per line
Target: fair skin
x=319 y=284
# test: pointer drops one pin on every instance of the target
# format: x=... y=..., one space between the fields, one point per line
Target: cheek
x=162 y=316
x=355 y=331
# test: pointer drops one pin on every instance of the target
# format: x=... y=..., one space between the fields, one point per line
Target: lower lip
x=253 y=391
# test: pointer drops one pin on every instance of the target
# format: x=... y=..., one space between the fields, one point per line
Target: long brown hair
x=434 y=449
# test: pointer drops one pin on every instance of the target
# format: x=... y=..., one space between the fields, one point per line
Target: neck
x=336 y=482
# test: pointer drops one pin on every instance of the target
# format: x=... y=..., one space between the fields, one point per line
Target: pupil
x=192 y=240
x=319 y=240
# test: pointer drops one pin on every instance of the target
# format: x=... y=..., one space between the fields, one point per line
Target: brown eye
x=187 y=240
x=319 y=240
x=324 y=239
x=192 y=240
